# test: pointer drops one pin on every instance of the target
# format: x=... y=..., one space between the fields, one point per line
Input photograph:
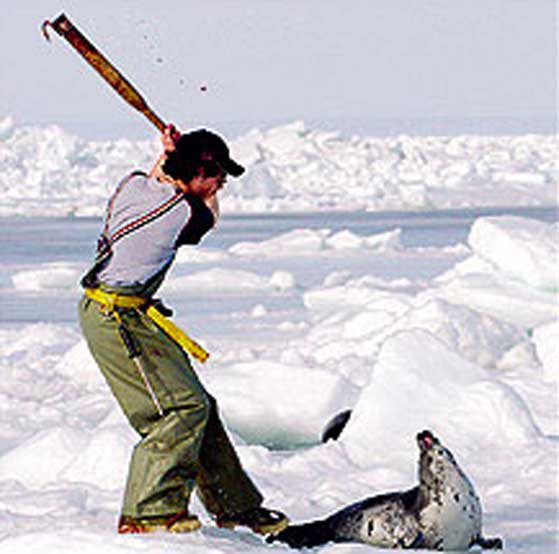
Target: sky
x=360 y=65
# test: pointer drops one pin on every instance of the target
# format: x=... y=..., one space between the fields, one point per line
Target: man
x=183 y=443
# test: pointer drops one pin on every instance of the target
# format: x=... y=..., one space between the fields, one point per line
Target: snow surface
x=458 y=338
x=48 y=171
x=461 y=340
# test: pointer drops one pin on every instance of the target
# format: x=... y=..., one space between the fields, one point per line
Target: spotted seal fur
x=442 y=513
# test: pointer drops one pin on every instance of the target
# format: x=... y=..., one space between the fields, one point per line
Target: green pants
x=184 y=448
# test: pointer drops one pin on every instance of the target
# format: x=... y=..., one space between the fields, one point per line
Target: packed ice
x=47 y=171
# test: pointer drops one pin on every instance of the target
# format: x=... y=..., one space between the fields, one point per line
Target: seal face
x=451 y=516
x=442 y=513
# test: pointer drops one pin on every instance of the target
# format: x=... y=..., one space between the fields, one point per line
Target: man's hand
x=170 y=137
x=169 y=140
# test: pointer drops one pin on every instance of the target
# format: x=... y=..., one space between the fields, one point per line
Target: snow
x=418 y=383
x=301 y=324
x=546 y=339
x=61 y=275
x=304 y=241
x=50 y=172
x=524 y=250
x=292 y=419
x=300 y=241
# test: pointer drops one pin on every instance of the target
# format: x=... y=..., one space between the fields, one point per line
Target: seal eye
x=370 y=527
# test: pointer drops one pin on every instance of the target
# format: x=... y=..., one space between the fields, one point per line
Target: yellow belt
x=110 y=300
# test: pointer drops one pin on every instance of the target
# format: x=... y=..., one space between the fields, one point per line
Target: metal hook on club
x=46 y=23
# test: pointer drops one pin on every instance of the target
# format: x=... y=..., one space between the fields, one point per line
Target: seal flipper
x=418 y=542
x=306 y=535
x=488 y=544
x=335 y=426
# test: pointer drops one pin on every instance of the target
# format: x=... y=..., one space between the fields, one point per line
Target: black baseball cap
x=204 y=145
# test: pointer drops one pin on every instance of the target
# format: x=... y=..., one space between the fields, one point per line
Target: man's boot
x=260 y=520
x=183 y=522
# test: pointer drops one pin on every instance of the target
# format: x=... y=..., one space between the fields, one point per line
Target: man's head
x=198 y=153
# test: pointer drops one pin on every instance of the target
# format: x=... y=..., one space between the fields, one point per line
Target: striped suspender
x=139 y=222
x=106 y=241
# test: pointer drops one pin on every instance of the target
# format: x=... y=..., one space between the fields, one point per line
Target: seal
x=443 y=512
